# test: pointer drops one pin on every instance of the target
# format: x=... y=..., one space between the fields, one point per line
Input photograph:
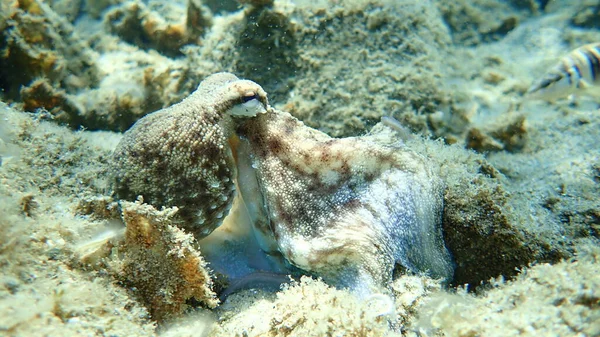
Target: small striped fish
x=578 y=72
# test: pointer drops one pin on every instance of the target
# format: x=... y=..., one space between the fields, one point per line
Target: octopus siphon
x=347 y=210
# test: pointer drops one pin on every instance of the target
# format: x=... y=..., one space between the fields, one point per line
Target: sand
x=522 y=214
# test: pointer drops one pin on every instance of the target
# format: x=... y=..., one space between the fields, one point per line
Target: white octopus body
x=347 y=210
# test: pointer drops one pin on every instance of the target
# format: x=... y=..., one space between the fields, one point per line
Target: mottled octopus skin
x=344 y=209
x=347 y=210
x=180 y=156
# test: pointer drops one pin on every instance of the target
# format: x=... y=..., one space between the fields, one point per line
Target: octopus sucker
x=266 y=196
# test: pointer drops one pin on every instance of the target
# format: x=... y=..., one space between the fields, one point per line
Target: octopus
x=350 y=211
x=180 y=156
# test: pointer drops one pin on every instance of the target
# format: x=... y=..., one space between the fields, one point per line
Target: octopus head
x=234 y=97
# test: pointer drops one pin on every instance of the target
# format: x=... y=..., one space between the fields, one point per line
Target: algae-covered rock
x=482 y=21
x=364 y=61
x=147 y=28
x=162 y=263
x=307 y=308
x=40 y=43
x=481 y=228
x=588 y=15
x=507 y=134
x=481 y=232
x=561 y=299
x=42 y=289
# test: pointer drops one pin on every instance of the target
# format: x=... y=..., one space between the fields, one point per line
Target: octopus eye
x=248 y=106
x=248 y=98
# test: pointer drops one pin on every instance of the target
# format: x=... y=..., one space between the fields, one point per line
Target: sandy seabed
x=522 y=214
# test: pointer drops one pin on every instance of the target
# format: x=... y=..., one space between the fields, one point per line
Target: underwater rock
x=257 y=3
x=588 y=15
x=133 y=83
x=69 y=9
x=39 y=43
x=482 y=142
x=481 y=21
x=481 y=232
x=308 y=307
x=360 y=62
x=137 y=24
x=267 y=41
x=345 y=209
x=95 y=8
x=40 y=94
x=162 y=263
x=505 y=134
x=547 y=299
x=46 y=64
